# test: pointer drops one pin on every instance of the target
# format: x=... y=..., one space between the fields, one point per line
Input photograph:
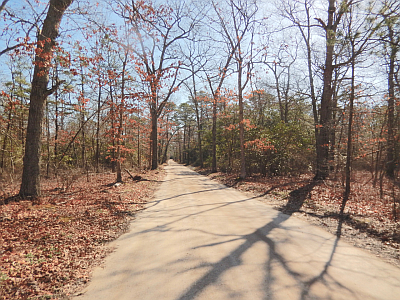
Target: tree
x=305 y=29
x=349 y=151
x=122 y=106
x=326 y=108
x=19 y=28
x=14 y=113
x=243 y=16
x=197 y=58
x=390 y=37
x=156 y=31
x=281 y=69
x=325 y=114
x=216 y=77
x=333 y=61
x=30 y=185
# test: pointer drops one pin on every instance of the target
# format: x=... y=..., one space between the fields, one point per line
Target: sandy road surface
x=201 y=240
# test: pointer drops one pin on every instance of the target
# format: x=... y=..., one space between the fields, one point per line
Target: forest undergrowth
x=371 y=220
x=49 y=246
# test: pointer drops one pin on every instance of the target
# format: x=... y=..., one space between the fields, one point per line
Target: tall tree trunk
x=56 y=124
x=326 y=99
x=188 y=146
x=390 y=152
x=164 y=155
x=153 y=136
x=82 y=113
x=306 y=35
x=184 y=151
x=97 y=155
x=198 y=120
x=121 y=119
x=138 y=139
x=349 y=157
x=278 y=90
x=30 y=185
x=214 y=134
x=112 y=130
x=22 y=117
x=241 y=122
x=48 y=140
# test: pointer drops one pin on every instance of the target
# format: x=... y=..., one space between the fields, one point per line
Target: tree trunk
x=3 y=150
x=326 y=99
x=121 y=119
x=83 y=122
x=347 y=190
x=112 y=130
x=138 y=139
x=241 y=124
x=214 y=135
x=30 y=185
x=153 y=138
x=97 y=156
x=164 y=156
x=48 y=140
x=56 y=124
x=198 y=120
x=390 y=152
x=184 y=151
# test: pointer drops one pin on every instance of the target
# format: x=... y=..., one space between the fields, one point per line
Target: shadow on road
x=304 y=284
x=233 y=259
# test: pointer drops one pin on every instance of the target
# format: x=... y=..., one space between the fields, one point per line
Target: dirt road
x=201 y=240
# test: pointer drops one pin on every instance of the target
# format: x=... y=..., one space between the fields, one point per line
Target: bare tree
x=18 y=30
x=324 y=118
x=30 y=185
x=281 y=70
x=156 y=30
x=241 y=15
x=390 y=36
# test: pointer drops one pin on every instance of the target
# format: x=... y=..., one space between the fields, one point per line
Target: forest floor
x=49 y=246
x=369 y=221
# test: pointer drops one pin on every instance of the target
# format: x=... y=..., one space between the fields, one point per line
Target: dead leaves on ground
x=47 y=249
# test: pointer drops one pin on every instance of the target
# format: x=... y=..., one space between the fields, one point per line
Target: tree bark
x=390 y=152
x=326 y=99
x=214 y=134
x=241 y=122
x=349 y=152
x=82 y=120
x=198 y=119
x=56 y=124
x=121 y=118
x=30 y=185
x=97 y=155
x=153 y=138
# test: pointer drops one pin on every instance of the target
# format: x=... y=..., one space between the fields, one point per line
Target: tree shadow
x=231 y=260
x=297 y=198
x=234 y=259
x=15 y=198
